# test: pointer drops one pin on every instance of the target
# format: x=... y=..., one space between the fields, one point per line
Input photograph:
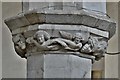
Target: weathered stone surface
x=81 y=42
x=80 y=35
x=17 y=22
x=53 y=29
x=62 y=53
x=70 y=6
x=63 y=42
x=54 y=37
x=24 y=19
x=35 y=66
x=84 y=17
x=111 y=29
x=78 y=22
x=32 y=17
x=58 y=66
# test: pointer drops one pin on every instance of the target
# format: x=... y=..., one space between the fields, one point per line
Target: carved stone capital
x=65 y=41
x=61 y=32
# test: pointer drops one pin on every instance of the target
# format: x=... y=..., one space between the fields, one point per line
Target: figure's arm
x=86 y=48
x=46 y=45
x=68 y=44
x=29 y=40
x=37 y=44
x=32 y=41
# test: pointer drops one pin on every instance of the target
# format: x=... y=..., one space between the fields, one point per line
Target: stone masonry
x=60 y=43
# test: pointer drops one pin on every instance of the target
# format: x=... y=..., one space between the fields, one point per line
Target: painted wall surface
x=111 y=62
x=12 y=65
x=0 y=39
x=119 y=36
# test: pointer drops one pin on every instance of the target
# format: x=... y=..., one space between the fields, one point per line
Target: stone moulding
x=50 y=27
x=84 y=17
x=66 y=53
x=84 y=32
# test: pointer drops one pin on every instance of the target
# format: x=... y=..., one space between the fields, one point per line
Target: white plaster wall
x=0 y=40
x=12 y=65
x=111 y=62
x=119 y=36
x=98 y=6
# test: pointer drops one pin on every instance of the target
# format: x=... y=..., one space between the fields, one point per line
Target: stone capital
x=81 y=32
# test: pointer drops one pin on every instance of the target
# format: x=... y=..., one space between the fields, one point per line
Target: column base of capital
x=58 y=66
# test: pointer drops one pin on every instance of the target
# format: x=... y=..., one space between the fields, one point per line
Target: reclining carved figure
x=42 y=40
x=95 y=46
x=92 y=45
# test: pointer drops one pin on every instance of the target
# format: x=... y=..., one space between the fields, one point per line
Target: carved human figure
x=95 y=46
x=39 y=40
x=101 y=49
x=79 y=37
x=90 y=46
x=68 y=44
x=19 y=44
x=102 y=46
x=41 y=36
x=44 y=42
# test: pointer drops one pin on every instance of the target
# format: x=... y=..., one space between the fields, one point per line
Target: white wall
x=111 y=62
x=119 y=36
x=0 y=40
x=12 y=65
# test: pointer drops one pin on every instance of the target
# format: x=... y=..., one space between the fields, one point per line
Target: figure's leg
x=62 y=43
x=53 y=47
x=67 y=43
x=72 y=44
x=49 y=44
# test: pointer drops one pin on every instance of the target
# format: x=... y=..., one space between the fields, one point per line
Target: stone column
x=60 y=43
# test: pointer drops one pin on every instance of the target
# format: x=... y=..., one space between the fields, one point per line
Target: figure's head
x=41 y=36
x=19 y=40
x=102 y=46
x=78 y=38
